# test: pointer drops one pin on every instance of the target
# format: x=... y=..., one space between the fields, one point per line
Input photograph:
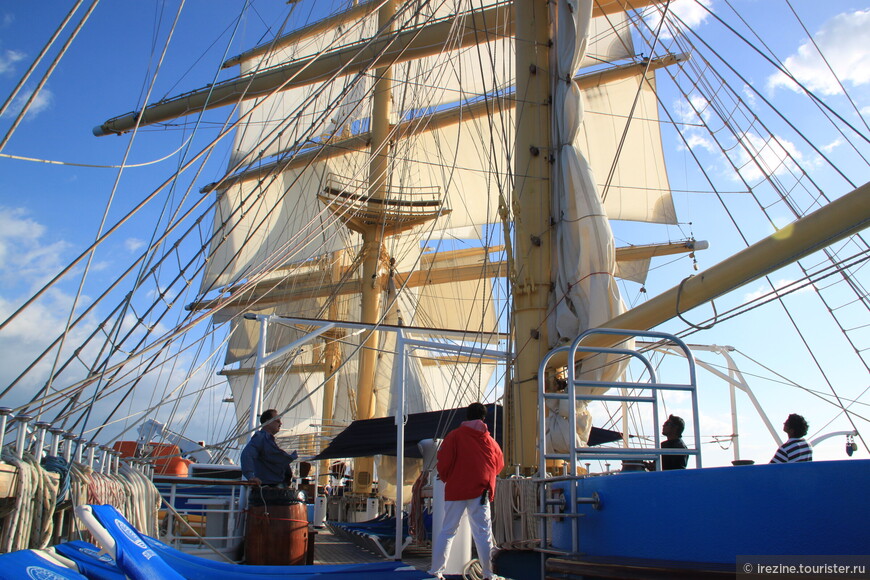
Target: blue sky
x=49 y=213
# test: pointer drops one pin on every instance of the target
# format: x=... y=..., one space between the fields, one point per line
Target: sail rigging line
x=62 y=395
x=761 y=96
x=697 y=161
x=181 y=329
x=39 y=86
x=111 y=231
x=824 y=60
x=146 y=412
x=750 y=189
x=831 y=70
x=93 y=305
x=39 y=58
x=634 y=103
x=778 y=292
x=114 y=228
x=356 y=14
x=152 y=246
x=310 y=98
x=820 y=395
x=796 y=213
x=803 y=339
x=715 y=319
x=95 y=166
x=786 y=382
x=783 y=196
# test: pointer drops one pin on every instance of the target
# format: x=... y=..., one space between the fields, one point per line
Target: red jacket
x=468 y=461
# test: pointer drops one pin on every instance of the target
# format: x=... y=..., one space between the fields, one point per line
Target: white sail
x=625 y=150
x=299 y=395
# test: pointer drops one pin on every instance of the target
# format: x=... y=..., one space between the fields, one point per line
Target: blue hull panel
x=716 y=514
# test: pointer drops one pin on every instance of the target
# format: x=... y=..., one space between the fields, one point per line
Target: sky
x=49 y=213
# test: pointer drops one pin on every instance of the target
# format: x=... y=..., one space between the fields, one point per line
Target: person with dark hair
x=673 y=431
x=263 y=462
x=468 y=461
x=796 y=448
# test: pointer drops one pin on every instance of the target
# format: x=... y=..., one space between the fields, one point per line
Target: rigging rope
x=91 y=165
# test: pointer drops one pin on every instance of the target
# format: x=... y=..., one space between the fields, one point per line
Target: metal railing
x=652 y=386
x=212 y=513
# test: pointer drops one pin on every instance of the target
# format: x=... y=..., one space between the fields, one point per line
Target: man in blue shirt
x=263 y=462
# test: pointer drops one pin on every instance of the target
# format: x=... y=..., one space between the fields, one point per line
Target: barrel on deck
x=277 y=532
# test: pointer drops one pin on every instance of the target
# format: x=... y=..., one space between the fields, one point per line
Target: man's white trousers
x=481 y=531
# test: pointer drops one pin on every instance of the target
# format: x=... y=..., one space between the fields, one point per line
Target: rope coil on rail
x=32 y=522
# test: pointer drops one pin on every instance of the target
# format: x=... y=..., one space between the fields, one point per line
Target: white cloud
x=759 y=157
x=41 y=102
x=8 y=59
x=832 y=145
x=688 y=112
x=780 y=285
x=690 y=12
x=844 y=40
x=133 y=244
x=24 y=257
x=695 y=140
x=749 y=95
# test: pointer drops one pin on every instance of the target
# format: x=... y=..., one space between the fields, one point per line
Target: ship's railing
x=211 y=509
x=633 y=392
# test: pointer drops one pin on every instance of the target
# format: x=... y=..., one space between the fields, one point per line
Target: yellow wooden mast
x=532 y=278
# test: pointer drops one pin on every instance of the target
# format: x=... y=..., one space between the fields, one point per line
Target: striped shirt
x=795 y=449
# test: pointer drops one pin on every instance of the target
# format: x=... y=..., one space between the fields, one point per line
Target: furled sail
x=585 y=290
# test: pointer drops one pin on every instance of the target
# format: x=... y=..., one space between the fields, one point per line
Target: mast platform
x=399 y=211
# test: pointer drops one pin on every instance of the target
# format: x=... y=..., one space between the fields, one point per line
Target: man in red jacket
x=468 y=461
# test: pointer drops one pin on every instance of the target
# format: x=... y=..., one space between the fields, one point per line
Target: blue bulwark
x=716 y=514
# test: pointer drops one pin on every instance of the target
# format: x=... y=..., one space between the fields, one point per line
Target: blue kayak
x=142 y=557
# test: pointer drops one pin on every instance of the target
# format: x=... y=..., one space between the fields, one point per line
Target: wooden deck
x=330 y=549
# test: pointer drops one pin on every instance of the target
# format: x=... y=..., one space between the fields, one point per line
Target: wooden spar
x=530 y=202
x=373 y=246
x=304 y=286
x=408 y=45
x=839 y=219
x=352 y=14
x=425 y=123
x=359 y=12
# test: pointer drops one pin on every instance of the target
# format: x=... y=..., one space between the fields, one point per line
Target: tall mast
x=531 y=206
x=373 y=243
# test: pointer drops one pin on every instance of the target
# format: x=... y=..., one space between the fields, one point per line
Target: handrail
x=623 y=453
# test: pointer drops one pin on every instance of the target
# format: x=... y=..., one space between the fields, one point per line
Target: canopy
x=368 y=437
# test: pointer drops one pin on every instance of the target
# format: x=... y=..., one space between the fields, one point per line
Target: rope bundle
x=31 y=523
x=515 y=501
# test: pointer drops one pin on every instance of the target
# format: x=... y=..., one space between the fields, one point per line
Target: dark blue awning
x=368 y=437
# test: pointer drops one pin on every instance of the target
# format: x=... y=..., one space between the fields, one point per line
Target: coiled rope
x=31 y=522
x=515 y=501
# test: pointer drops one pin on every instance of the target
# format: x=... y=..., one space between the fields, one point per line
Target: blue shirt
x=263 y=459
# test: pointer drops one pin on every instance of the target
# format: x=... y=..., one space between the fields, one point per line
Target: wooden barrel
x=276 y=535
